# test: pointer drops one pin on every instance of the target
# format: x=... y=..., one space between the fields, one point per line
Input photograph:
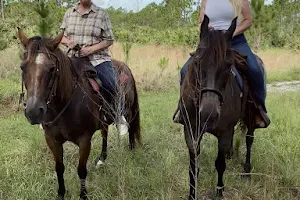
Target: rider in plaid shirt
x=89 y=26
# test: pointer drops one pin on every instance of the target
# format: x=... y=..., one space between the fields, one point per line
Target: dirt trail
x=283 y=86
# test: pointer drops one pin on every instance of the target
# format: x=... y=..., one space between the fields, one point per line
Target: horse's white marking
x=219 y=188
x=100 y=163
x=41 y=126
x=39 y=60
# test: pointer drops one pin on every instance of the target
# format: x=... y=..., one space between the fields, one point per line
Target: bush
x=3 y=44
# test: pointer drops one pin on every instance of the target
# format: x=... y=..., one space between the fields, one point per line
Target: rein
x=52 y=87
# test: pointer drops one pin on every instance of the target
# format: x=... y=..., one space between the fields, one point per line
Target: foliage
x=163 y=64
x=45 y=23
x=170 y=22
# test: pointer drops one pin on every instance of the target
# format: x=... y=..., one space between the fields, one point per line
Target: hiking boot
x=262 y=120
x=177 y=117
x=123 y=126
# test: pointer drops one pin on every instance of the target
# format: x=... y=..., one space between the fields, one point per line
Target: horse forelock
x=212 y=51
x=64 y=77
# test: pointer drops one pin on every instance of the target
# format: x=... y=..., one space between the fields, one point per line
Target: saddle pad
x=123 y=78
x=238 y=77
x=94 y=85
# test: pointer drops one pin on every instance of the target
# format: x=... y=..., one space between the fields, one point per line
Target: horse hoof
x=83 y=195
x=246 y=177
x=99 y=163
x=191 y=198
x=219 y=192
x=60 y=197
x=228 y=156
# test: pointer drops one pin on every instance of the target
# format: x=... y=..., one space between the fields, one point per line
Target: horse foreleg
x=84 y=152
x=57 y=151
x=194 y=151
x=249 y=142
x=224 y=145
x=229 y=154
x=102 y=157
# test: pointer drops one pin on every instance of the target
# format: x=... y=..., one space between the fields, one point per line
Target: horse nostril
x=42 y=110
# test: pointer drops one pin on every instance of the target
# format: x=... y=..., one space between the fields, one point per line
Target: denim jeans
x=107 y=74
x=254 y=72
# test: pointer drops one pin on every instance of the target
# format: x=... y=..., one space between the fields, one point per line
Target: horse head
x=211 y=69
x=42 y=73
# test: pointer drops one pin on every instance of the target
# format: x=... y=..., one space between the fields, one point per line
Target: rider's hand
x=86 y=50
x=71 y=44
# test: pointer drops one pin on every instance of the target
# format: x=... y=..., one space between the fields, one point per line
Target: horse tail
x=135 y=128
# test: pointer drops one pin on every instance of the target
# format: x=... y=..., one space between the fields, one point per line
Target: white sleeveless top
x=220 y=13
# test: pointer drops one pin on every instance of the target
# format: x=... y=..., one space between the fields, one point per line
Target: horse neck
x=66 y=79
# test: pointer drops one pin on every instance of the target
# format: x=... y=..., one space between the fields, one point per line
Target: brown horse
x=212 y=101
x=61 y=99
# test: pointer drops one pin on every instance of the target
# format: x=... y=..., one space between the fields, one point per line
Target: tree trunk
x=2 y=9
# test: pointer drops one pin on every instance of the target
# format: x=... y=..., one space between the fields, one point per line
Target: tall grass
x=159 y=168
x=146 y=64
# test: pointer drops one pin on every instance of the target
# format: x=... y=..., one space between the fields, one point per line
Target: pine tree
x=45 y=24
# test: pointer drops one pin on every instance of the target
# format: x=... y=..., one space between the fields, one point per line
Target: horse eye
x=23 y=65
x=25 y=55
x=52 y=69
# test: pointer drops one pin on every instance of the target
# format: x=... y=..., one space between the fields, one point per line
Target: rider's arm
x=65 y=41
x=202 y=11
x=247 y=19
x=102 y=45
x=106 y=34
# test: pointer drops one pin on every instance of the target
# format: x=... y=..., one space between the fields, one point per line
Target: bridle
x=52 y=87
x=216 y=91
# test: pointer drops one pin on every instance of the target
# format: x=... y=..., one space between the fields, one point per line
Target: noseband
x=216 y=91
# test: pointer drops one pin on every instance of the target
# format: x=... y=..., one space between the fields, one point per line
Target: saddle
x=83 y=66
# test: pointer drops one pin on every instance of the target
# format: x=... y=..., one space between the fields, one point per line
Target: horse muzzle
x=209 y=113
x=35 y=111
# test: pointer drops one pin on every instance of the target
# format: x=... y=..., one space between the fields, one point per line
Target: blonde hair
x=238 y=7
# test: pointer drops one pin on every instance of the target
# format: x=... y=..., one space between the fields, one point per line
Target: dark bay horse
x=212 y=101
x=61 y=99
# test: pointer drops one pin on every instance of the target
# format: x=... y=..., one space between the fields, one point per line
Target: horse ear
x=22 y=37
x=231 y=29
x=204 y=26
x=56 y=41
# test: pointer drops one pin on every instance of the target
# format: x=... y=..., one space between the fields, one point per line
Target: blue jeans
x=107 y=74
x=254 y=72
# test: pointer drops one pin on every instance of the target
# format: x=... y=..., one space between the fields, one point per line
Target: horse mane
x=65 y=72
x=214 y=50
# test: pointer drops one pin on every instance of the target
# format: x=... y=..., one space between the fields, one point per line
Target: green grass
x=9 y=90
x=159 y=168
x=277 y=76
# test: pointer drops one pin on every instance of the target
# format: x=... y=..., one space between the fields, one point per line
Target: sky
x=134 y=5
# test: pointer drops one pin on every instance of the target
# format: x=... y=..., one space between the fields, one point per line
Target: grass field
x=158 y=170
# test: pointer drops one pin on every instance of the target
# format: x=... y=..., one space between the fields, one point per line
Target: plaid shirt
x=88 y=29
